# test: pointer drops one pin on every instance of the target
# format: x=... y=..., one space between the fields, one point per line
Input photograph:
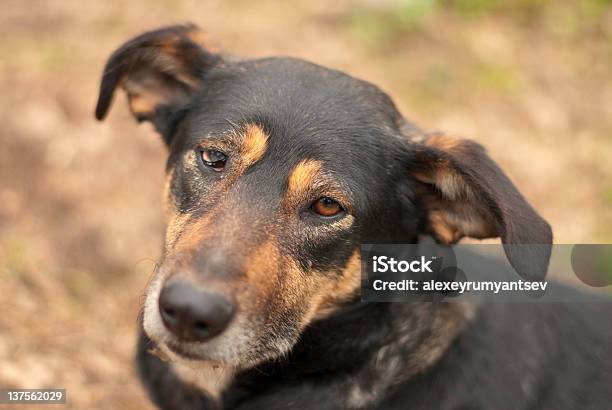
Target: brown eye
x=214 y=159
x=326 y=207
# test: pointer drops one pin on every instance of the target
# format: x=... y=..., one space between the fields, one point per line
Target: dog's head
x=278 y=170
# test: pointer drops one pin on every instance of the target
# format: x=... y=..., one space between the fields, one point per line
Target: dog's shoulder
x=545 y=356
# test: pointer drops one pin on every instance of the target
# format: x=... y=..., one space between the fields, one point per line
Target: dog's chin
x=173 y=350
x=184 y=354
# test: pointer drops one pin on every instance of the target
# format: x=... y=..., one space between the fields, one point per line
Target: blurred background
x=80 y=201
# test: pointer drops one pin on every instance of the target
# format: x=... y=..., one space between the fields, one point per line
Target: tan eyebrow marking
x=302 y=177
x=309 y=178
x=254 y=144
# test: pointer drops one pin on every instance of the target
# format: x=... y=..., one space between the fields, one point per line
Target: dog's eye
x=326 y=207
x=214 y=159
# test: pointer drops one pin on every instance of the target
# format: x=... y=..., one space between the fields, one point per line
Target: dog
x=278 y=169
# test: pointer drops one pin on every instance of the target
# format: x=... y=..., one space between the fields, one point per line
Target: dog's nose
x=192 y=314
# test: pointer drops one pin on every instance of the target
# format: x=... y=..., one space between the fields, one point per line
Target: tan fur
x=262 y=266
x=147 y=89
x=175 y=222
x=452 y=206
x=303 y=177
x=443 y=175
x=450 y=184
x=202 y=39
x=446 y=322
x=144 y=95
x=144 y=104
x=278 y=280
x=451 y=220
x=440 y=223
x=307 y=181
x=210 y=377
x=444 y=142
x=172 y=60
x=168 y=198
x=283 y=286
x=254 y=145
x=192 y=231
x=174 y=229
x=340 y=290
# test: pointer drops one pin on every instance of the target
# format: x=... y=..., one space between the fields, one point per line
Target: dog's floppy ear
x=466 y=194
x=159 y=70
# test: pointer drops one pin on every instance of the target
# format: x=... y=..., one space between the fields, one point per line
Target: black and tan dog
x=278 y=170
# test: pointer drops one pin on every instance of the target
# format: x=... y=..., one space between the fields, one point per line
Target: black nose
x=192 y=314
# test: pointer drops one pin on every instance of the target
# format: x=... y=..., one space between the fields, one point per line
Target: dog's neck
x=374 y=346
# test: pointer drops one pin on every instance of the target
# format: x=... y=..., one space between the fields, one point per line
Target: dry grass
x=80 y=205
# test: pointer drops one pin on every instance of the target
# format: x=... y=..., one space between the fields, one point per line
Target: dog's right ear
x=160 y=71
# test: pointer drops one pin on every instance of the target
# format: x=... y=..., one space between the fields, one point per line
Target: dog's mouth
x=183 y=353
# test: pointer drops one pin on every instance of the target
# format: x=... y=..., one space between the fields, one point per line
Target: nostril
x=202 y=329
x=168 y=313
